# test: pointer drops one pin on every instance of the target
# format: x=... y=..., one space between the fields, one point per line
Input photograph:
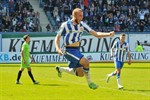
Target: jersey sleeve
x=86 y=27
x=24 y=47
x=128 y=48
x=62 y=30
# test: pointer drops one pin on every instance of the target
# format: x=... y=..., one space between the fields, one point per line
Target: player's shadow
x=53 y=85
x=136 y=90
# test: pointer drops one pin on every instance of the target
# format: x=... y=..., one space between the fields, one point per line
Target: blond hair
x=76 y=10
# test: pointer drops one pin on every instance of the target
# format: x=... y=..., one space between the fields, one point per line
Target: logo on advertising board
x=10 y=57
x=42 y=44
x=4 y=57
x=89 y=57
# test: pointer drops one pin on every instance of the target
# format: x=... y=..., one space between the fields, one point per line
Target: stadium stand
x=18 y=16
x=102 y=15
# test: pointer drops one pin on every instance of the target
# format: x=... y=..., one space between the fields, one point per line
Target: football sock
x=67 y=70
x=31 y=76
x=87 y=75
x=19 y=75
x=111 y=74
x=118 y=78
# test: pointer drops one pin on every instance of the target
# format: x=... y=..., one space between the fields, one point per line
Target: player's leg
x=73 y=56
x=22 y=67
x=118 y=78
x=65 y=69
x=31 y=76
x=19 y=75
x=118 y=69
x=73 y=69
x=86 y=70
x=79 y=72
x=111 y=75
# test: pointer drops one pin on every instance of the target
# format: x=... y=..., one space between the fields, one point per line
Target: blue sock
x=86 y=70
x=118 y=75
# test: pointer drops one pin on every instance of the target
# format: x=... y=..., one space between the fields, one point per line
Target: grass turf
x=135 y=78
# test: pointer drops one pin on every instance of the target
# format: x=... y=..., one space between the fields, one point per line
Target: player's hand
x=24 y=62
x=111 y=56
x=129 y=62
x=111 y=33
x=60 y=52
x=32 y=61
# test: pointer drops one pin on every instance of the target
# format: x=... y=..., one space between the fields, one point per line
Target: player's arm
x=30 y=56
x=96 y=34
x=32 y=59
x=57 y=44
x=129 y=57
x=102 y=34
x=112 y=52
x=22 y=54
x=141 y=48
x=112 y=49
x=60 y=32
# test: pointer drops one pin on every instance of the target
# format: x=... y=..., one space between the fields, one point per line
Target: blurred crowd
x=103 y=15
x=18 y=16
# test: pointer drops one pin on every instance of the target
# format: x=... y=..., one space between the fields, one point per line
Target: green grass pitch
x=135 y=79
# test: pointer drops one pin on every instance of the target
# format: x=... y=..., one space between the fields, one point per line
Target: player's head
x=138 y=43
x=122 y=37
x=26 y=38
x=77 y=14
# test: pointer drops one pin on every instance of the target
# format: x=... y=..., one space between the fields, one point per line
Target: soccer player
x=139 y=47
x=121 y=47
x=71 y=31
x=25 y=62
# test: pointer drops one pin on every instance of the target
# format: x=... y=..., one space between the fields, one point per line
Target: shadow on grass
x=136 y=90
x=123 y=67
x=53 y=85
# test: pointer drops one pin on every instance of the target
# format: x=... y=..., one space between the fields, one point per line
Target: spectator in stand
x=55 y=12
x=14 y=13
x=48 y=27
x=123 y=12
x=141 y=25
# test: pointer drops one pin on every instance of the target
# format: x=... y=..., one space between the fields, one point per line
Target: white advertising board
x=88 y=44
x=14 y=57
x=42 y=44
x=144 y=40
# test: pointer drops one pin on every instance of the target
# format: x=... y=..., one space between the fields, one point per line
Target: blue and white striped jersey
x=120 y=50
x=72 y=33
